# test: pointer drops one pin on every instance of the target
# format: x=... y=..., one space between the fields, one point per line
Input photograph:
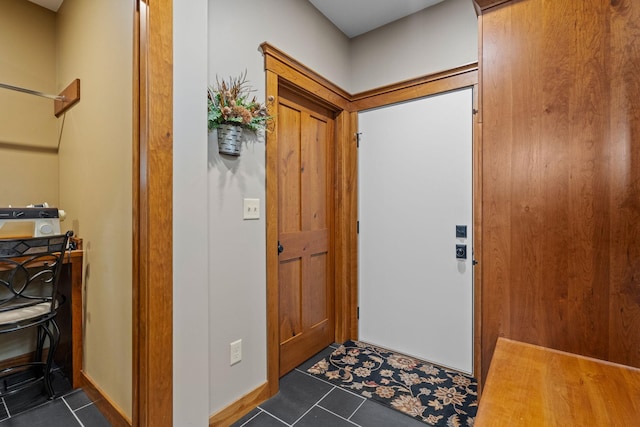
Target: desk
x=528 y=385
x=69 y=318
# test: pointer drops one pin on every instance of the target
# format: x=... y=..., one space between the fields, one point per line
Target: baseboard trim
x=109 y=409
x=240 y=407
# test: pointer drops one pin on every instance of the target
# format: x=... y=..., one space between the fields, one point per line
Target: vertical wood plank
x=153 y=289
x=271 y=218
x=346 y=238
x=561 y=177
x=496 y=179
x=588 y=105
x=624 y=175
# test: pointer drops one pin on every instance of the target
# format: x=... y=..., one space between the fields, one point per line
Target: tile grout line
x=6 y=409
x=83 y=406
x=259 y=411
x=337 y=415
x=331 y=384
x=271 y=415
x=72 y=412
x=312 y=406
x=357 y=409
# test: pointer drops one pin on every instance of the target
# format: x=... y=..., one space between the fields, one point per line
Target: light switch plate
x=251 y=209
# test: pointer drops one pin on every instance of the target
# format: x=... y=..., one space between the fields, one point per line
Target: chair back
x=29 y=272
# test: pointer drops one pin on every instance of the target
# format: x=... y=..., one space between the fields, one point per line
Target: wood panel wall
x=560 y=101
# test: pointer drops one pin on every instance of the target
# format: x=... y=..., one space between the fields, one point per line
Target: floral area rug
x=429 y=393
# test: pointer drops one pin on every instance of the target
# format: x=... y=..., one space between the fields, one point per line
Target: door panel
x=289 y=291
x=415 y=186
x=305 y=140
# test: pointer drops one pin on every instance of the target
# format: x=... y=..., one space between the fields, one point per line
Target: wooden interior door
x=305 y=222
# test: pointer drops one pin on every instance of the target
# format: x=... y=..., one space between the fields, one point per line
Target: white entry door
x=415 y=186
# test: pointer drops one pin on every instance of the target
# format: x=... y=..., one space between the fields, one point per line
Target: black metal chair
x=29 y=273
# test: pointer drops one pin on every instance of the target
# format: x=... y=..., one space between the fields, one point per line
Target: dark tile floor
x=32 y=408
x=307 y=401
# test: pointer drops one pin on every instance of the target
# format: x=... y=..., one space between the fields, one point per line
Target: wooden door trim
x=456 y=78
x=302 y=77
x=482 y=5
x=152 y=215
x=283 y=71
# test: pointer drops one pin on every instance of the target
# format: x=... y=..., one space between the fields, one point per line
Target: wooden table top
x=528 y=385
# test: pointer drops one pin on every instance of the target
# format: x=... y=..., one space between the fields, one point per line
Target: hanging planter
x=230 y=110
x=229 y=139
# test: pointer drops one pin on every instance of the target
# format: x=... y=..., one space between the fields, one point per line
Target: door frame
x=282 y=70
x=433 y=84
x=152 y=214
x=368 y=286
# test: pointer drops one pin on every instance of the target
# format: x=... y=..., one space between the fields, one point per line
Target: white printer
x=30 y=221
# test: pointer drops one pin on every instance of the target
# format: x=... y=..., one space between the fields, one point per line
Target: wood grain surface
x=561 y=176
x=153 y=222
x=530 y=385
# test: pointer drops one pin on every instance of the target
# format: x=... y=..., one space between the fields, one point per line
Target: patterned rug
x=431 y=394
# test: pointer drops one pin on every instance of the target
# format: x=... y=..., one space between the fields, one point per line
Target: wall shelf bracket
x=67 y=98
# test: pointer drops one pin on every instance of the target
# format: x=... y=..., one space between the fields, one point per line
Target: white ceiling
x=355 y=17
x=49 y=4
x=352 y=17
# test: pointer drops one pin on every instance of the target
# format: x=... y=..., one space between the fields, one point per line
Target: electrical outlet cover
x=235 y=352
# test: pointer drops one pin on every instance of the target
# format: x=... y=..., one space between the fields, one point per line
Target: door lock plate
x=461 y=251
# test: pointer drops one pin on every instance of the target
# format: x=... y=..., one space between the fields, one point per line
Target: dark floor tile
x=53 y=414
x=77 y=399
x=372 y=414
x=298 y=393
x=263 y=420
x=35 y=395
x=91 y=416
x=318 y=417
x=246 y=418
x=3 y=410
x=26 y=399
x=341 y=402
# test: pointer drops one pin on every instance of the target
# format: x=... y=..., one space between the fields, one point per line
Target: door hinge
x=358 y=139
x=358 y=313
x=357 y=227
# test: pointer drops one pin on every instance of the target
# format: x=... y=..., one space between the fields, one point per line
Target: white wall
x=237 y=247
x=435 y=39
x=190 y=237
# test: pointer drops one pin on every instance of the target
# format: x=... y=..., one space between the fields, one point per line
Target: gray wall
x=190 y=237
x=236 y=248
x=435 y=39
x=237 y=301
